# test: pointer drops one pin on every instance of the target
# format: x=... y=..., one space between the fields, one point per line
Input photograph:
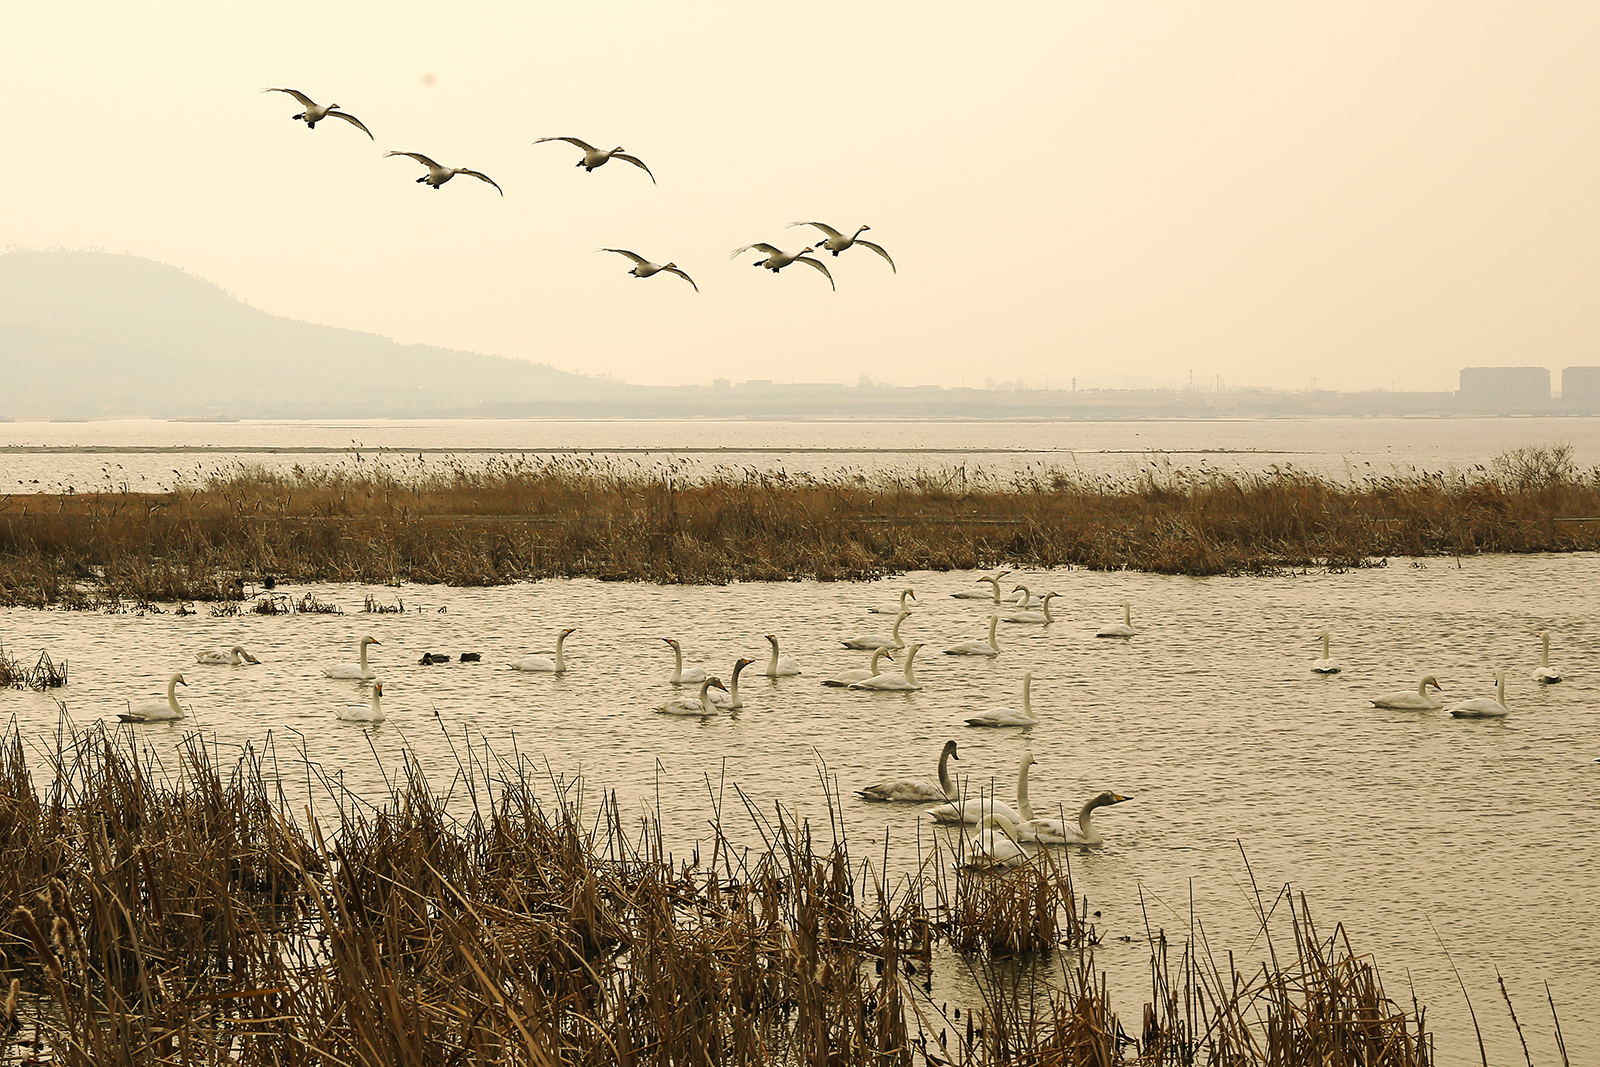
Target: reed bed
x=177 y=915
x=524 y=519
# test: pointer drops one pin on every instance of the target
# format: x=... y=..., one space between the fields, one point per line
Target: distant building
x=1580 y=383
x=1501 y=384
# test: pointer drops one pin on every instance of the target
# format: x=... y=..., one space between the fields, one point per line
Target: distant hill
x=86 y=334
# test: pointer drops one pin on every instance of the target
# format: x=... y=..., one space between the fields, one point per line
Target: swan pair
x=904 y=683
x=1327 y=664
x=867 y=644
x=917 y=789
x=860 y=674
x=359 y=671
x=232 y=658
x=557 y=664
x=371 y=711
x=168 y=710
x=1042 y=615
x=978 y=648
x=702 y=706
x=1011 y=716
x=1120 y=629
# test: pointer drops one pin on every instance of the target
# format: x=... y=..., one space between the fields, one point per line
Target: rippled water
x=1419 y=832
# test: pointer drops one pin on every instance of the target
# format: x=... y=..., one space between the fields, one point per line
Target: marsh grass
x=45 y=673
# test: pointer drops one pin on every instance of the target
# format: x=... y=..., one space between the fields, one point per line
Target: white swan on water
x=733 y=701
x=903 y=683
x=161 y=711
x=558 y=663
x=1119 y=629
x=1022 y=597
x=1059 y=831
x=917 y=789
x=780 y=666
x=1040 y=616
x=371 y=711
x=702 y=706
x=1421 y=700
x=870 y=643
x=973 y=809
x=355 y=670
x=980 y=594
x=231 y=658
x=1327 y=664
x=905 y=594
x=978 y=648
x=996 y=843
x=1546 y=674
x=680 y=675
x=860 y=674
x=1011 y=716
x=1485 y=707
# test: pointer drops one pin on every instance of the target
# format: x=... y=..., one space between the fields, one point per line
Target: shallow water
x=1419 y=832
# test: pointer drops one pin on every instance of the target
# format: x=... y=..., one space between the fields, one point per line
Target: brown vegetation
x=529 y=519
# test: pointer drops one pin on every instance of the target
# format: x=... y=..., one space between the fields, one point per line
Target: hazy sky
x=1375 y=194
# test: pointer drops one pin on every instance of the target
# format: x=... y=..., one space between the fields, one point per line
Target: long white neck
x=772 y=659
x=1324 y=644
x=1544 y=658
x=1086 y=823
x=377 y=699
x=993 y=620
x=877 y=654
x=1127 y=616
x=705 y=699
x=1023 y=807
x=1027 y=702
x=561 y=660
x=733 y=685
x=677 y=652
x=1047 y=616
x=996 y=583
x=911 y=654
x=1422 y=688
x=945 y=783
x=172 y=696
x=364 y=655
x=1500 y=687
x=898 y=619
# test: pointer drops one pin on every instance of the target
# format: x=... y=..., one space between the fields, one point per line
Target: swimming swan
x=372 y=711
x=1546 y=673
x=643 y=268
x=162 y=711
x=780 y=666
x=1010 y=716
x=692 y=676
x=978 y=648
x=1059 y=831
x=733 y=701
x=438 y=175
x=315 y=112
x=870 y=643
x=979 y=594
x=905 y=594
x=545 y=663
x=973 y=809
x=232 y=658
x=1421 y=700
x=1122 y=629
x=1325 y=665
x=594 y=157
x=860 y=674
x=837 y=242
x=355 y=670
x=904 y=683
x=1022 y=598
x=917 y=789
x=1484 y=707
x=777 y=259
x=995 y=844
x=702 y=706
x=1041 y=616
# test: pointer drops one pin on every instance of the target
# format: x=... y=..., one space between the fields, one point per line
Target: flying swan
x=355 y=670
x=978 y=648
x=1484 y=707
x=1010 y=716
x=643 y=268
x=1546 y=674
x=594 y=157
x=546 y=663
x=232 y=658
x=1421 y=700
x=315 y=112
x=837 y=242
x=917 y=789
x=777 y=259
x=161 y=711
x=1325 y=665
x=372 y=711
x=438 y=175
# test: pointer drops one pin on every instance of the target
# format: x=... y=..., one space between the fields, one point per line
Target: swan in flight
x=438 y=175
x=978 y=648
x=372 y=711
x=702 y=706
x=1011 y=716
x=779 y=666
x=1059 y=831
x=980 y=594
x=733 y=701
x=315 y=112
x=777 y=259
x=161 y=711
x=917 y=789
x=837 y=242
x=995 y=843
x=974 y=809
x=1119 y=629
x=680 y=676
x=232 y=658
x=355 y=670
x=1546 y=673
x=594 y=157
x=546 y=663
x=1041 y=616
x=869 y=643
x=905 y=594
x=1421 y=700
x=859 y=674
x=903 y=683
x=1484 y=707
x=643 y=268
x=1327 y=664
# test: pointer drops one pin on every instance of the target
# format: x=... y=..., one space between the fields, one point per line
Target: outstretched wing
x=482 y=177
x=637 y=259
x=679 y=273
x=352 y=120
x=636 y=161
x=418 y=156
x=823 y=226
x=586 y=146
x=759 y=246
x=296 y=93
x=878 y=249
x=823 y=267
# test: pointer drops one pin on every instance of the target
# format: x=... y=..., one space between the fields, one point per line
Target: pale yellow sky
x=1375 y=194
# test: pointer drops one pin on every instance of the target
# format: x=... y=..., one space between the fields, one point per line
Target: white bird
x=372 y=711
x=860 y=674
x=1041 y=616
x=995 y=843
x=438 y=175
x=1484 y=707
x=733 y=701
x=869 y=643
x=1421 y=700
x=702 y=706
x=1325 y=665
x=643 y=268
x=777 y=259
x=161 y=711
x=979 y=594
x=1022 y=597
x=355 y=670
x=1059 y=831
x=779 y=666
x=973 y=809
x=903 y=683
x=1122 y=629
x=905 y=594
x=917 y=789
x=1011 y=716
x=837 y=242
x=558 y=664
x=680 y=676
x=978 y=648
x=594 y=157
x=232 y=658
x=1546 y=673
x=315 y=112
